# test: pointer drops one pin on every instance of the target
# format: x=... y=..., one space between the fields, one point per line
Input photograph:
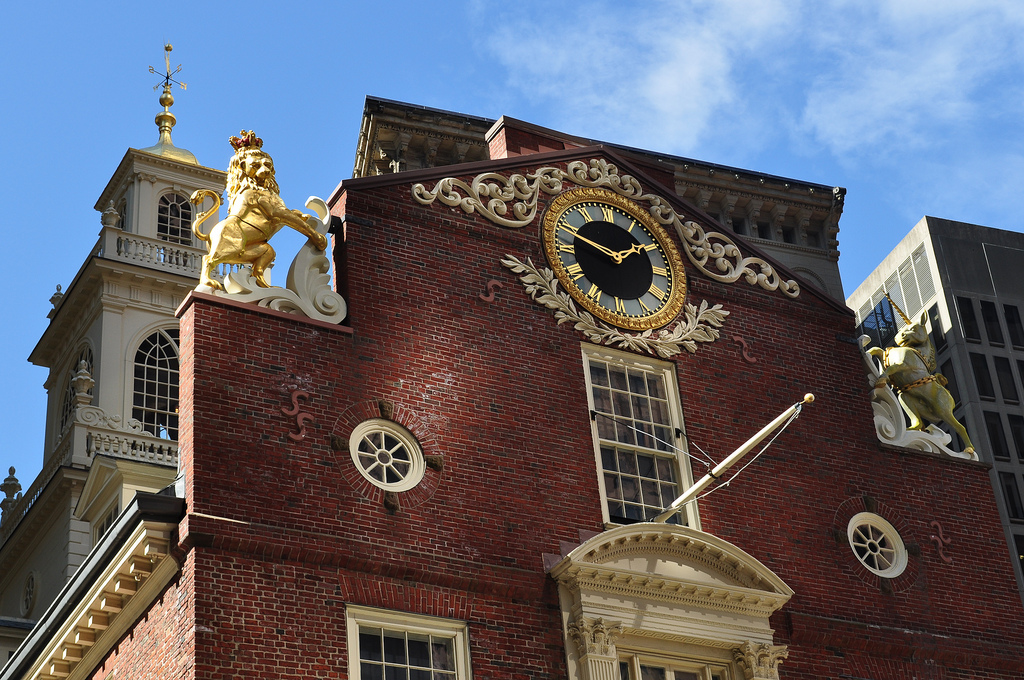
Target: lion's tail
x=198 y=196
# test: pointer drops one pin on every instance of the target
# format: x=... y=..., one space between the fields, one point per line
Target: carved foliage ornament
x=495 y=196
x=697 y=325
x=594 y=636
x=760 y=661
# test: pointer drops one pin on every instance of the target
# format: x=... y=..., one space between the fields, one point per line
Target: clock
x=614 y=259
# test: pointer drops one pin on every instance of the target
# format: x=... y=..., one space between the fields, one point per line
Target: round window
x=386 y=454
x=28 y=594
x=877 y=544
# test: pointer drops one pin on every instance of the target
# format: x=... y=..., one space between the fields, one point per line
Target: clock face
x=614 y=259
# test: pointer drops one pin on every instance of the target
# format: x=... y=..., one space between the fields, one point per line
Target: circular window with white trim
x=387 y=454
x=877 y=544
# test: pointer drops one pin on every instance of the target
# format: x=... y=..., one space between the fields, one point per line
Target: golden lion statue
x=910 y=367
x=255 y=213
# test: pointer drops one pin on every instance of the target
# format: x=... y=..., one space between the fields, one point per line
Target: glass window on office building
x=982 y=377
x=990 y=316
x=968 y=321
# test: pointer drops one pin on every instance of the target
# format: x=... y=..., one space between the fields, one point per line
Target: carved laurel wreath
x=698 y=325
x=490 y=194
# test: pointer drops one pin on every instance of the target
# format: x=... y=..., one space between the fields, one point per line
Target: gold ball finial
x=167 y=47
x=808 y=398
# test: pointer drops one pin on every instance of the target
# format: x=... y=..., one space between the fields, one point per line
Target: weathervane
x=168 y=74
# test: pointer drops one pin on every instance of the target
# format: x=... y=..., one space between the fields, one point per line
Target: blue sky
x=914 y=107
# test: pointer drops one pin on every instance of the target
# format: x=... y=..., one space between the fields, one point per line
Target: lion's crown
x=246 y=140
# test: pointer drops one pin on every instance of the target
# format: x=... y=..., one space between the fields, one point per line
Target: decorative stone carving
x=11 y=489
x=491 y=194
x=110 y=217
x=760 y=661
x=82 y=383
x=594 y=636
x=698 y=324
x=308 y=292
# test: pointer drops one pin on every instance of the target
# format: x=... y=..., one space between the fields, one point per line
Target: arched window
x=67 y=409
x=155 y=394
x=174 y=219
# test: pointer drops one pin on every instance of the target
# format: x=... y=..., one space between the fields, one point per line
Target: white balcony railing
x=90 y=433
x=150 y=252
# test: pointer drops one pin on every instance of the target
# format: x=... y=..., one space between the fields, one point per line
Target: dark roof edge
x=420 y=107
x=144 y=507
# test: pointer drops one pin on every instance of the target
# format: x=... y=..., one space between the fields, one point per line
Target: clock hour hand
x=607 y=251
x=623 y=254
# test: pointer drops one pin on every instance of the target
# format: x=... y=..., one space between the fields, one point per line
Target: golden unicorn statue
x=255 y=213
x=910 y=369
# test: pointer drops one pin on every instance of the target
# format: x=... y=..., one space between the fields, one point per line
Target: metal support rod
x=731 y=460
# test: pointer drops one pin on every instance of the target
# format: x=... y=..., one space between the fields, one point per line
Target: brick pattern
x=279 y=537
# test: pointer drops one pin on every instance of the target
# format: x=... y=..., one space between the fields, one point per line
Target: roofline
x=144 y=507
x=589 y=141
x=420 y=107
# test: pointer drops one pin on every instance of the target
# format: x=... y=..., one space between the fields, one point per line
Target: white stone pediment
x=672 y=582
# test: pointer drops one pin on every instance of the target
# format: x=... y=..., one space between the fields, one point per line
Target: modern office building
x=967 y=280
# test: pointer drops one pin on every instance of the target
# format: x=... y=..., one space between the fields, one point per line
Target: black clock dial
x=628 y=279
x=614 y=259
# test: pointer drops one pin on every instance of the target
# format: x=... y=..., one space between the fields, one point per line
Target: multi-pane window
x=67 y=410
x=155 y=392
x=397 y=646
x=398 y=654
x=636 y=422
x=107 y=521
x=968 y=321
x=982 y=378
x=174 y=219
x=636 y=667
x=1013 y=325
x=991 y=318
x=1007 y=385
x=996 y=436
x=1011 y=494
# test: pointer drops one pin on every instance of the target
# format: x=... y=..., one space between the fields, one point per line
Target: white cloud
x=658 y=75
x=902 y=74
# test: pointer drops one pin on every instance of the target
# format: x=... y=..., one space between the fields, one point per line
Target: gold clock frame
x=677 y=279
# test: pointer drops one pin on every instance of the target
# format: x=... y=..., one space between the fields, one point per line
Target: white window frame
x=106 y=520
x=681 y=459
x=704 y=668
x=458 y=631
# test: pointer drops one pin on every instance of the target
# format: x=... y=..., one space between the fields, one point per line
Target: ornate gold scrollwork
x=698 y=324
x=714 y=253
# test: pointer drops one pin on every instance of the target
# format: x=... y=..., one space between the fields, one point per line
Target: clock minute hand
x=607 y=251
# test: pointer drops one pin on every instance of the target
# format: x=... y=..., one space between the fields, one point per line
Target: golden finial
x=165 y=120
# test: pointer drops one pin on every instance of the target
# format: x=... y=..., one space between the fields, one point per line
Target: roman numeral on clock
x=575 y=271
x=607 y=214
x=657 y=292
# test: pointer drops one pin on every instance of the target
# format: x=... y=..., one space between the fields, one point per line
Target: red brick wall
x=284 y=533
x=161 y=644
